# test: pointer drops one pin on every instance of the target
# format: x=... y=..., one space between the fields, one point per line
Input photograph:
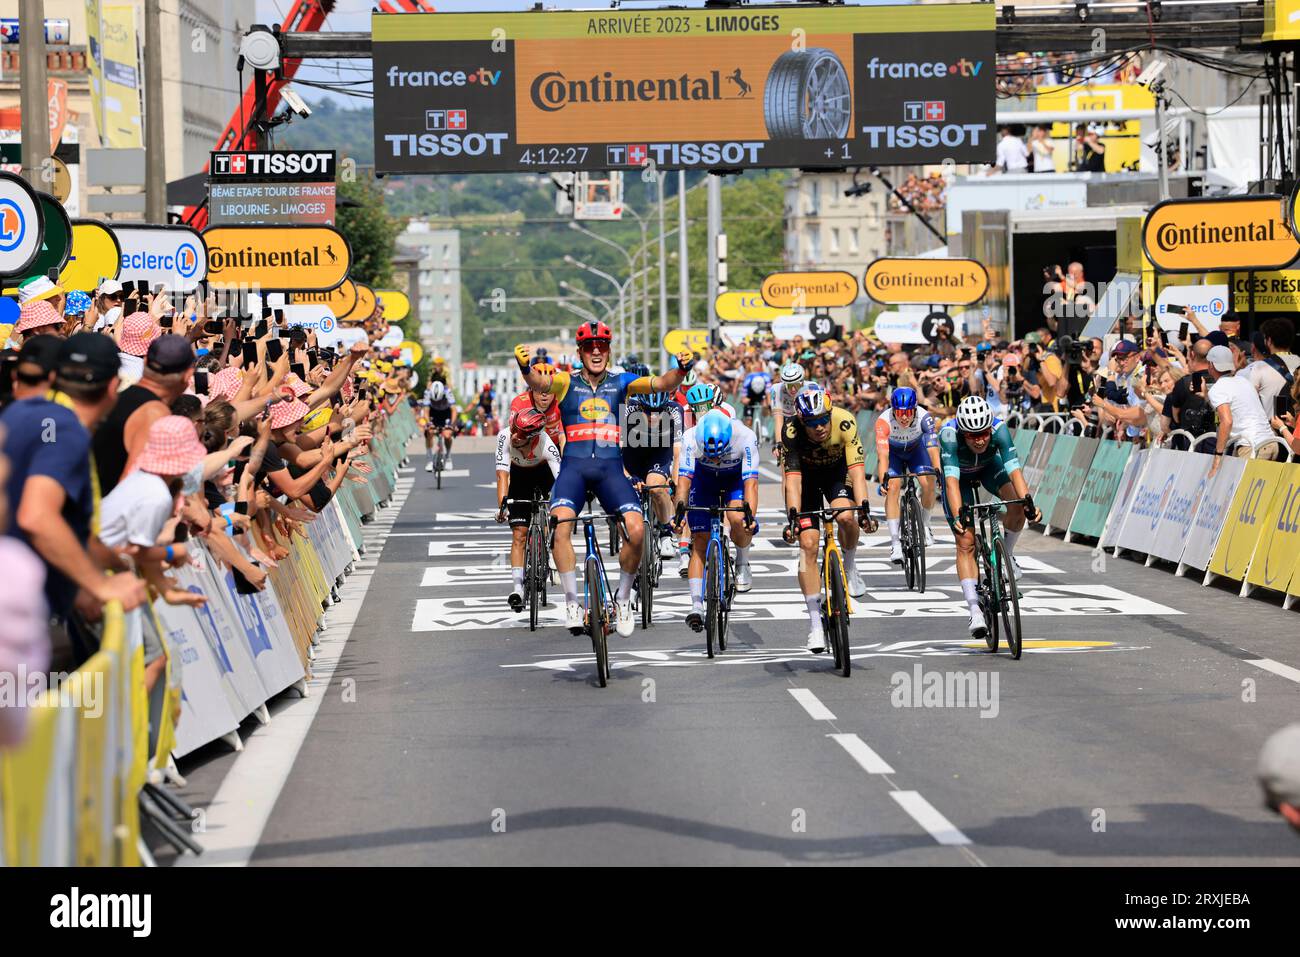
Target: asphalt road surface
x=439 y=730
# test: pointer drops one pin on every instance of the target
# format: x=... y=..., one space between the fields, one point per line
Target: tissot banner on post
x=778 y=86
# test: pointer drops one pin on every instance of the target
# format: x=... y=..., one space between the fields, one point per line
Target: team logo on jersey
x=594 y=409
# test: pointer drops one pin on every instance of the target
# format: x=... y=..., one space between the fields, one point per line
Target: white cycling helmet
x=437 y=392
x=791 y=374
x=974 y=414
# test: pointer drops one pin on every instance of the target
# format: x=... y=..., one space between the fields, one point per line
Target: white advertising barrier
x=174 y=257
x=232 y=646
x=897 y=325
x=1123 y=498
x=271 y=649
x=1147 y=500
x=1212 y=512
x=1190 y=480
x=20 y=225
x=1208 y=302
x=206 y=712
x=340 y=338
x=393 y=338
x=787 y=327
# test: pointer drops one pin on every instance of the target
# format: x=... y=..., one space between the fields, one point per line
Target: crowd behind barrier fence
x=71 y=793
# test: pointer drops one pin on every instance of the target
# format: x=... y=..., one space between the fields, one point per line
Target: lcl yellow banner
x=396 y=304
x=944 y=282
x=1234 y=233
x=739 y=306
x=273 y=258
x=810 y=290
x=340 y=301
x=679 y=340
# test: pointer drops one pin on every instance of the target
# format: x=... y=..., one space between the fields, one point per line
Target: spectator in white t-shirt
x=1269 y=383
x=1241 y=416
x=1042 y=149
x=1013 y=156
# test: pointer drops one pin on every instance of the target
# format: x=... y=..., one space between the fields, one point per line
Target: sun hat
x=173 y=447
x=225 y=383
x=299 y=387
x=138 y=331
x=316 y=419
x=77 y=303
x=36 y=289
x=285 y=414
x=36 y=313
x=109 y=287
x=1221 y=358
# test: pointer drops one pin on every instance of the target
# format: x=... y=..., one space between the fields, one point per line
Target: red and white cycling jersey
x=539 y=450
x=554 y=427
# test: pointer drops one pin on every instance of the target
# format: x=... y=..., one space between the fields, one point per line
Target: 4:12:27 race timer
x=553 y=156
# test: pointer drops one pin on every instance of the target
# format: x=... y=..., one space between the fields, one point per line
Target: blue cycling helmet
x=812 y=404
x=654 y=401
x=903 y=399
x=714 y=434
x=700 y=394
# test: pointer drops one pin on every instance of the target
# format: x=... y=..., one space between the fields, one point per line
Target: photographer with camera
x=1116 y=401
x=1044 y=373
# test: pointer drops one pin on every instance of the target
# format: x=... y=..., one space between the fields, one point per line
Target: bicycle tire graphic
x=807 y=96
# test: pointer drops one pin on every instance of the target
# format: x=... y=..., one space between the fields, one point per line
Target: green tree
x=369 y=230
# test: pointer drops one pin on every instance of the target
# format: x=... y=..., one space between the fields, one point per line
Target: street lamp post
x=608 y=278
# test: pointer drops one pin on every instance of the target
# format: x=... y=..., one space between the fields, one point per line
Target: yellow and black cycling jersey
x=842 y=447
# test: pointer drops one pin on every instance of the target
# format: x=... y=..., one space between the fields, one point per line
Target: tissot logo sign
x=171 y=256
x=282 y=165
x=591 y=90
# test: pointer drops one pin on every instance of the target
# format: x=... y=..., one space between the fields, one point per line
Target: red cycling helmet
x=593 y=331
x=527 y=422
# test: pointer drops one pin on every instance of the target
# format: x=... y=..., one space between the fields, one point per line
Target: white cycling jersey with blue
x=922 y=431
x=741 y=454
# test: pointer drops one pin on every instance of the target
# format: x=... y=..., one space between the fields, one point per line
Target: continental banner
x=1211 y=511
x=1073 y=476
x=1244 y=525
x=1122 y=498
x=727 y=88
x=1277 y=555
x=277 y=258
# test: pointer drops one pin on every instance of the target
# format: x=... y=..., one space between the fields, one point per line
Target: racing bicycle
x=652 y=564
x=911 y=531
x=598 y=598
x=537 y=562
x=998 y=592
x=837 y=607
x=719 y=572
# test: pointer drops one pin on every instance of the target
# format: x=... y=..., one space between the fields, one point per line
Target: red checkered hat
x=299 y=387
x=347 y=390
x=285 y=414
x=173 y=447
x=36 y=313
x=225 y=383
x=138 y=330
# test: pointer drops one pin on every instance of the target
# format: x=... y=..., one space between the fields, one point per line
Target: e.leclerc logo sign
x=21 y=225
x=171 y=256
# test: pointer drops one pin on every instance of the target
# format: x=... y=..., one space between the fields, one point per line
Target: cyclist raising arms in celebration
x=823 y=459
x=906 y=442
x=976 y=449
x=719 y=458
x=591 y=402
x=527 y=461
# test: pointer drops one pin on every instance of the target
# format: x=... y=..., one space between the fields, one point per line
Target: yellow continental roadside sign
x=947 y=282
x=96 y=256
x=1281 y=20
x=365 y=307
x=738 y=306
x=340 y=301
x=396 y=304
x=1278 y=552
x=277 y=258
x=1232 y=233
x=696 y=340
x=810 y=290
x=1244 y=523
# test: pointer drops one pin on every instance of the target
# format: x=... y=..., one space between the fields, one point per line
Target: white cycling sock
x=894 y=524
x=517 y=576
x=850 y=558
x=697 y=593
x=929 y=515
x=742 y=554
x=969 y=590
x=814 y=603
x=625 y=580
x=1010 y=538
x=569 y=582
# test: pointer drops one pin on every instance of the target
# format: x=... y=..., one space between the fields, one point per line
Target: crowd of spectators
x=1021 y=74
x=130 y=429
x=926 y=193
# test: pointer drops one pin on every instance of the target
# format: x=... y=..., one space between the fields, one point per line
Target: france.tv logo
x=13 y=226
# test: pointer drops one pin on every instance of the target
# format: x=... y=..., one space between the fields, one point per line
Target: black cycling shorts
x=523 y=482
x=439 y=418
x=827 y=482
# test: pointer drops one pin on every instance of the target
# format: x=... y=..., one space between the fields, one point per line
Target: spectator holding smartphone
x=1235 y=402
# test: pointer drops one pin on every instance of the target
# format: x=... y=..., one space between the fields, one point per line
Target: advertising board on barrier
x=1152 y=493
x=1244 y=524
x=341 y=301
x=1225 y=233
x=309 y=258
x=1211 y=513
x=365 y=307
x=588 y=90
x=1122 y=498
x=810 y=290
x=205 y=708
x=1049 y=483
x=1073 y=476
x=1189 y=483
x=96 y=256
x=173 y=257
x=897 y=280
x=397 y=305
x=745 y=306
x=56 y=240
x=1035 y=463
x=1278 y=553
x=21 y=225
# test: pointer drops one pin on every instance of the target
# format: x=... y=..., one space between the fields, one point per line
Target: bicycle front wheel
x=712 y=601
x=837 y=615
x=908 y=541
x=918 y=544
x=645 y=583
x=592 y=584
x=535 y=580
x=988 y=596
x=1010 y=603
